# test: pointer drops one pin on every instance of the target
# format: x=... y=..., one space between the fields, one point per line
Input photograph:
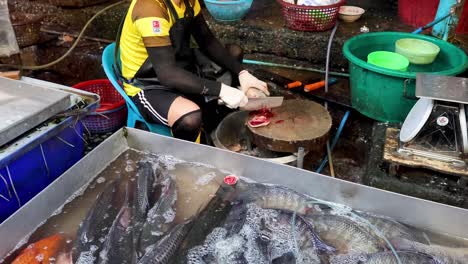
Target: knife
x=264 y=102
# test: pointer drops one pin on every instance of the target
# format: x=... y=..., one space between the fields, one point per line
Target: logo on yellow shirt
x=156 y=26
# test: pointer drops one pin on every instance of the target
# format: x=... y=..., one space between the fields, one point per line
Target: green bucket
x=388 y=95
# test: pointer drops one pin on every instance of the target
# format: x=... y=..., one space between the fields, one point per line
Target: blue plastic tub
x=228 y=10
x=31 y=163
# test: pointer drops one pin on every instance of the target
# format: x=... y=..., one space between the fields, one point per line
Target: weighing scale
x=436 y=127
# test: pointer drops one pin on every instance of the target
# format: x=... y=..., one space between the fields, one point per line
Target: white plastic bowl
x=350 y=13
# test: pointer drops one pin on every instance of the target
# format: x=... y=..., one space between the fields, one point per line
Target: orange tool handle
x=293 y=85
x=314 y=86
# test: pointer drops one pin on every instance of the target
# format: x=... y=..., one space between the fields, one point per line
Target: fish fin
x=435 y=259
x=426 y=238
x=322 y=246
x=402 y=244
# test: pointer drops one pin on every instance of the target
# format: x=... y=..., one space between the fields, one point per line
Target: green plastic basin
x=388 y=95
x=388 y=60
x=417 y=51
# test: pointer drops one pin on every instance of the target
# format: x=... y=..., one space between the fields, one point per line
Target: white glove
x=254 y=93
x=247 y=81
x=232 y=97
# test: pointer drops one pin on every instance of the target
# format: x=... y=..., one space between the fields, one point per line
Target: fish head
x=348 y=259
x=228 y=192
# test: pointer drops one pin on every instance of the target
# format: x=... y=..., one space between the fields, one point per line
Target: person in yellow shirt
x=163 y=73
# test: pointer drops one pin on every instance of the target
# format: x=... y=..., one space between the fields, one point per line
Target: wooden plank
x=297 y=123
x=392 y=156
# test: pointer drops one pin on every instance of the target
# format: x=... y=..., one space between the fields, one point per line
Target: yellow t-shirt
x=146 y=24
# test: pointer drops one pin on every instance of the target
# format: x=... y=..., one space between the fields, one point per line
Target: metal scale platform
x=434 y=134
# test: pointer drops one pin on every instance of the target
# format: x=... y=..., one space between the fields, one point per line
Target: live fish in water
x=446 y=255
x=392 y=229
x=95 y=226
x=275 y=197
x=145 y=178
x=344 y=234
x=43 y=251
x=267 y=235
x=163 y=251
x=212 y=215
x=235 y=219
x=146 y=188
x=119 y=245
x=289 y=232
x=387 y=257
x=287 y=258
x=160 y=218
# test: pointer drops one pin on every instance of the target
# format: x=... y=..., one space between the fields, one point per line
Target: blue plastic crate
x=36 y=160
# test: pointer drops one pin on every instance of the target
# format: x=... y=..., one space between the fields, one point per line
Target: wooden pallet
x=396 y=159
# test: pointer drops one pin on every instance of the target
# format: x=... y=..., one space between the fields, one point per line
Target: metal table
x=24 y=106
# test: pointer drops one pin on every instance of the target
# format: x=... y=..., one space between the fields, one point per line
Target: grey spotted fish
x=344 y=234
x=285 y=229
x=446 y=255
x=392 y=229
x=96 y=225
x=119 y=245
x=145 y=178
x=275 y=197
x=160 y=218
x=387 y=257
x=146 y=188
x=163 y=251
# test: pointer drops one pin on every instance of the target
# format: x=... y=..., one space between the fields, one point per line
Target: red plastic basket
x=112 y=113
x=310 y=18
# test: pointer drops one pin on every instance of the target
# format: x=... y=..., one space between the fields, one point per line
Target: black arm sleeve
x=211 y=46
x=170 y=75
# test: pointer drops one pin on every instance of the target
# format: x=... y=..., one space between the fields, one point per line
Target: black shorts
x=154 y=104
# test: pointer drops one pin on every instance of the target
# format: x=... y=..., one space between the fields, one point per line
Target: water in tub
x=146 y=208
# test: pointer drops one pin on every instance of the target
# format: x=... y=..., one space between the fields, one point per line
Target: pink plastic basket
x=310 y=18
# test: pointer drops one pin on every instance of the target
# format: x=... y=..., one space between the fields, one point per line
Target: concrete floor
x=358 y=154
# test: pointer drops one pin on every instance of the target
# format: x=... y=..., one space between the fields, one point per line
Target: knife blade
x=264 y=102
